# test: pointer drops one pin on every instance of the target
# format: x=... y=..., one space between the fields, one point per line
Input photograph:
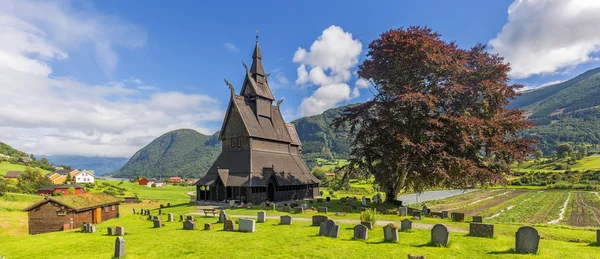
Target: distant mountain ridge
x=100 y=165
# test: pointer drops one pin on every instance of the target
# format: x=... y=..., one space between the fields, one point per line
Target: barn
x=63 y=189
x=143 y=181
x=59 y=213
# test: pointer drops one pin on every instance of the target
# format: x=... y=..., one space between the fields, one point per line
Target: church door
x=271 y=192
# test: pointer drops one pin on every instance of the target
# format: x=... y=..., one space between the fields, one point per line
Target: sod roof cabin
x=63 y=189
x=261 y=153
x=13 y=175
x=59 y=213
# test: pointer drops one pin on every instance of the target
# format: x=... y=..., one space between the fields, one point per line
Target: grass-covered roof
x=80 y=202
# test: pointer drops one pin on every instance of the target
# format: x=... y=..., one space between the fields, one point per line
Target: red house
x=173 y=180
x=143 y=181
x=64 y=189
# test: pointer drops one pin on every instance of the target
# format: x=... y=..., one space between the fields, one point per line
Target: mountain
x=100 y=165
x=183 y=152
x=319 y=139
x=564 y=112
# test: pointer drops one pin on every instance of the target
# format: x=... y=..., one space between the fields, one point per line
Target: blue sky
x=103 y=78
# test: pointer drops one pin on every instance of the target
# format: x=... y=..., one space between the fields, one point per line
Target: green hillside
x=182 y=152
x=5 y=149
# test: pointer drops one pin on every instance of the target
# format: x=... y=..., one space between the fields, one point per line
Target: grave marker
x=477 y=219
x=170 y=218
x=416 y=256
x=119 y=247
x=159 y=211
x=322 y=209
x=120 y=231
x=262 y=217
x=457 y=216
x=481 y=230
x=190 y=218
x=347 y=209
x=299 y=209
x=247 y=225
x=157 y=223
x=207 y=226
x=110 y=231
x=223 y=216
x=285 y=220
x=405 y=225
x=92 y=229
x=437 y=215
x=416 y=214
x=361 y=232
x=444 y=214
x=364 y=201
x=329 y=229
x=134 y=211
x=598 y=237
x=229 y=225
x=180 y=217
x=189 y=225
x=440 y=235
x=328 y=199
x=317 y=219
x=527 y=240
x=402 y=211
x=390 y=233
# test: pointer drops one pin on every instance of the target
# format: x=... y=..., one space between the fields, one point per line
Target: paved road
x=408 y=199
x=352 y=221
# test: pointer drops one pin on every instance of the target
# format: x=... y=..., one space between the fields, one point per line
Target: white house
x=84 y=177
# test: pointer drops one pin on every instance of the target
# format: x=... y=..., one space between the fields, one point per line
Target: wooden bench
x=210 y=211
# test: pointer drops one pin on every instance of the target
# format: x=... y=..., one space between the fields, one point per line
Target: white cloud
x=231 y=47
x=532 y=87
x=329 y=65
x=360 y=84
x=546 y=36
x=50 y=115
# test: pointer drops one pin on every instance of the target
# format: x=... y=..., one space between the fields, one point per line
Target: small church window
x=232 y=142
x=239 y=142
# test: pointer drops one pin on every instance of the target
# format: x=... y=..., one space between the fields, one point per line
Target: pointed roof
x=255 y=82
x=257 y=67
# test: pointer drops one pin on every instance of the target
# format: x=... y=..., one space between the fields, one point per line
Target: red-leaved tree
x=438 y=117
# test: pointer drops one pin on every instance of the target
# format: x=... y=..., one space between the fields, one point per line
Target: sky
x=104 y=78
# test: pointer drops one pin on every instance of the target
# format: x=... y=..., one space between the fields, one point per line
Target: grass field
x=274 y=241
x=169 y=192
x=5 y=167
x=586 y=163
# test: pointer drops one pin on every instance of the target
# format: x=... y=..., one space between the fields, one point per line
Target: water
x=408 y=199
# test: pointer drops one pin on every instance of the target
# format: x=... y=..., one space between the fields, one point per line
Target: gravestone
x=159 y=211
x=168 y=205
x=328 y=199
x=481 y=230
x=231 y=203
x=329 y=229
x=134 y=211
x=92 y=229
x=89 y=228
x=361 y=232
x=440 y=235
x=229 y=225
x=390 y=233
x=322 y=209
x=273 y=206
x=110 y=231
x=207 y=226
x=223 y=216
x=299 y=210
x=527 y=240
x=119 y=247
x=444 y=214
x=317 y=219
x=402 y=211
x=375 y=199
x=457 y=216
x=477 y=219
x=405 y=225
x=262 y=217
x=285 y=220
x=180 y=217
x=157 y=223
x=162 y=206
x=118 y=215
x=286 y=208
x=247 y=225
x=347 y=209
x=436 y=215
x=189 y=225
x=170 y=218
x=416 y=215
x=155 y=218
x=84 y=227
x=416 y=256
x=190 y=218
x=364 y=201
x=150 y=217
x=263 y=205
x=120 y=231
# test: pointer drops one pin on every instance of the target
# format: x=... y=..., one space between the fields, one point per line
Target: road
x=408 y=199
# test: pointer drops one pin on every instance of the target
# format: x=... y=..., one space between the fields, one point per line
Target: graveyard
x=294 y=235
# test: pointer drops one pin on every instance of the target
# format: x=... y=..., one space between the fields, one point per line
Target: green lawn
x=5 y=167
x=275 y=241
x=169 y=192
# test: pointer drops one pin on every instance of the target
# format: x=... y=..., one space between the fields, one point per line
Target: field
x=5 y=167
x=276 y=241
x=169 y=192
x=586 y=163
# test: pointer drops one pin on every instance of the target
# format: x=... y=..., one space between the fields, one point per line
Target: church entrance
x=229 y=193
x=271 y=192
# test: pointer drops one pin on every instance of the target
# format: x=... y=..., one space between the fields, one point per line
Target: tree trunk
x=392 y=192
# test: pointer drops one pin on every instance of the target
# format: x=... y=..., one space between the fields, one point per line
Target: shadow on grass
x=508 y=251
x=432 y=244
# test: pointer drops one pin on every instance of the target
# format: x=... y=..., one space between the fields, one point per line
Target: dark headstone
x=134 y=211
x=84 y=227
x=317 y=219
x=440 y=235
x=329 y=229
x=161 y=206
x=223 y=216
x=189 y=217
x=262 y=216
x=229 y=225
x=169 y=205
x=457 y=216
x=402 y=211
x=319 y=199
x=110 y=231
x=328 y=199
x=390 y=233
x=477 y=219
x=120 y=231
x=207 y=226
x=444 y=214
x=180 y=217
x=347 y=209
x=527 y=240
x=438 y=215
x=157 y=223
x=598 y=237
x=405 y=225
x=298 y=210
x=322 y=209
x=416 y=256
x=481 y=230
x=159 y=211
x=119 y=247
x=416 y=214
x=189 y=225
x=361 y=232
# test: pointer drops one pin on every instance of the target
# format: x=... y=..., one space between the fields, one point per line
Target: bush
x=369 y=215
x=321 y=193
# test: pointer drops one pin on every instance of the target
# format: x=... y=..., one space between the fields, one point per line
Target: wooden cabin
x=68 y=212
x=63 y=189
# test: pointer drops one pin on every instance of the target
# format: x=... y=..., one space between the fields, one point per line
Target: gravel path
x=353 y=221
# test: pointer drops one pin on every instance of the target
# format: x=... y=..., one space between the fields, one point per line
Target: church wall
x=265 y=145
x=234 y=125
x=263 y=107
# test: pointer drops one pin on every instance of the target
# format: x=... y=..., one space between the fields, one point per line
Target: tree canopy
x=438 y=117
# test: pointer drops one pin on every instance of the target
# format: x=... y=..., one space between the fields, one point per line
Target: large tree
x=438 y=117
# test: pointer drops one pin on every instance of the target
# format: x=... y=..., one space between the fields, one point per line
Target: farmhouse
x=143 y=181
x=64 y=189
x=157 y=184
x=261 y=154
x=83 y=177
x=13 y=175
x=174 y=180
x=68 y=212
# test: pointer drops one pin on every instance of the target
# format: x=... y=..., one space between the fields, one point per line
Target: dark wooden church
x=261 y=154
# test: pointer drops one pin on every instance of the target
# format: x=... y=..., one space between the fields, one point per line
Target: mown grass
x=5 y=167
x=276 y=241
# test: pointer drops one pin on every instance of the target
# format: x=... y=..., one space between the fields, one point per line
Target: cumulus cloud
x=231 y=47
x=56 y=115
x=546 y=36
x=328 y=64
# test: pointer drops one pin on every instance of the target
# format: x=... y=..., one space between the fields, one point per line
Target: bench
x=210 y=211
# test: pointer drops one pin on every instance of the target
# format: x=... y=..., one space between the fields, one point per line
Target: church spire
x=257 y=67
